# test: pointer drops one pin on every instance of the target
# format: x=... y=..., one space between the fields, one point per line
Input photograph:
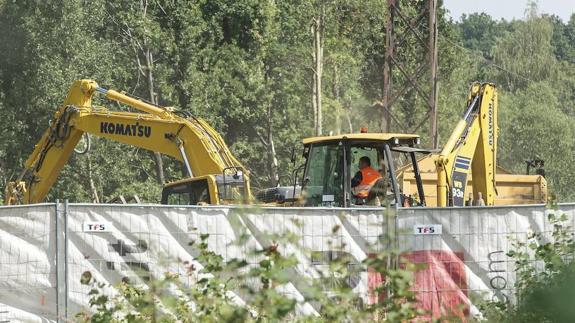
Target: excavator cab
x=332 y=162
x=208 y=190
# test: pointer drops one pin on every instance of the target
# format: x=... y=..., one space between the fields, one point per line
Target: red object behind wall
x=441 y=287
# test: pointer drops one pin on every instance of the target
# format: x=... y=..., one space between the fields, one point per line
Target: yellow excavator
x=215 y=176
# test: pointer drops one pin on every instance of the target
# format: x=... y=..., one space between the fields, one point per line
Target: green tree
x=479 y=31
x=526 y=55
x=534 y=127
x=563 y=39
x=44 y=48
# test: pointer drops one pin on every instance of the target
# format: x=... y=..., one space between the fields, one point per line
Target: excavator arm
x=471 y=149
x=158 y=129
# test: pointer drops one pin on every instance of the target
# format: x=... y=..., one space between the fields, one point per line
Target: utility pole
x=389 y=51
x=432 y=52
x=406 y=31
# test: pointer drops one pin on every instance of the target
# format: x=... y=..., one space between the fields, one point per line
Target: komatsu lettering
x=135 y=130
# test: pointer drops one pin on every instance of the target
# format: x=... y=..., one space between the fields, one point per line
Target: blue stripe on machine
x=462 y=161
x=101 y=90
x=462 y=166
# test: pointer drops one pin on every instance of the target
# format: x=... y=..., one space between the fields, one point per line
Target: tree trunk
x=317 y=29
x=272 y=156
x=314 y=81
x=336 y=98
x=348 y=117
x=95 y=198
x=160 y=177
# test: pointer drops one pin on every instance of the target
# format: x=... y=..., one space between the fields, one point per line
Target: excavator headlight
x=417 y=141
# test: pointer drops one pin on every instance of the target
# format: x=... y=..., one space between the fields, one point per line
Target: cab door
x=324 y=178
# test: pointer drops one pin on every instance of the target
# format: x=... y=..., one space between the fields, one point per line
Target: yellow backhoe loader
x=332 y=161
x=465 y=172
x=438 y=179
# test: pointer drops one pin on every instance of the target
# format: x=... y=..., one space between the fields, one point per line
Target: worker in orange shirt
x=364 y=179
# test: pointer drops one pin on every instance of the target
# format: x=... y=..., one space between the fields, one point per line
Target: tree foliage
x=246 y=67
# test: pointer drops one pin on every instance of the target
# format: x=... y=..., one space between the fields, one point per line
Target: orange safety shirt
x=368 y=177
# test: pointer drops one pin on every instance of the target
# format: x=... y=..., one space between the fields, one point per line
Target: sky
x=508 y=9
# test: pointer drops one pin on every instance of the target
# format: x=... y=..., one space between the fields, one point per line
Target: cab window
x=192 y=193
x=375 y=155
x=324 y=176
x=360 y=151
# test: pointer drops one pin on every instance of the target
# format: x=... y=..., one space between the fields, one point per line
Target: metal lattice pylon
x=398 y=77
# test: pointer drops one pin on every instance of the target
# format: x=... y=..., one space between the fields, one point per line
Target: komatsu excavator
x=215 y=176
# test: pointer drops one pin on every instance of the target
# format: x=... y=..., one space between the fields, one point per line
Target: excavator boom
x=158 y=129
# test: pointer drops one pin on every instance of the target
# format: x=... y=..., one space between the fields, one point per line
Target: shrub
x=545 y=278
x=213 y=294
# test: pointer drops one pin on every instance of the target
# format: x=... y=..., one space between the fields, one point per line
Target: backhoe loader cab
x=332 y=161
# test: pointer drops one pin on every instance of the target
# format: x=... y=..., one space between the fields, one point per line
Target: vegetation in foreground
x=211 y=294
x=544 y=268
x=545 y=273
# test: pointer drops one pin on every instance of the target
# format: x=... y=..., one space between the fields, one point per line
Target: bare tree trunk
x=314 y=81
x=141 y=48
x=154 y=99
x=95 y=198
x=387 y=70
x=337 y=100
x=348 y=117
x=272 y=156
x=348 y=113
x=317 y=29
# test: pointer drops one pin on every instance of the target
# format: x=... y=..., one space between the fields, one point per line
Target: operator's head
x=364 y=162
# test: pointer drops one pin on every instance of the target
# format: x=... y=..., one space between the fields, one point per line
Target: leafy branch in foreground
x=545 y=277
x=214 y=290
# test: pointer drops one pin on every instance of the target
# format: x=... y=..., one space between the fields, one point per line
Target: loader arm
x=471 y=149
x=158 y=129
